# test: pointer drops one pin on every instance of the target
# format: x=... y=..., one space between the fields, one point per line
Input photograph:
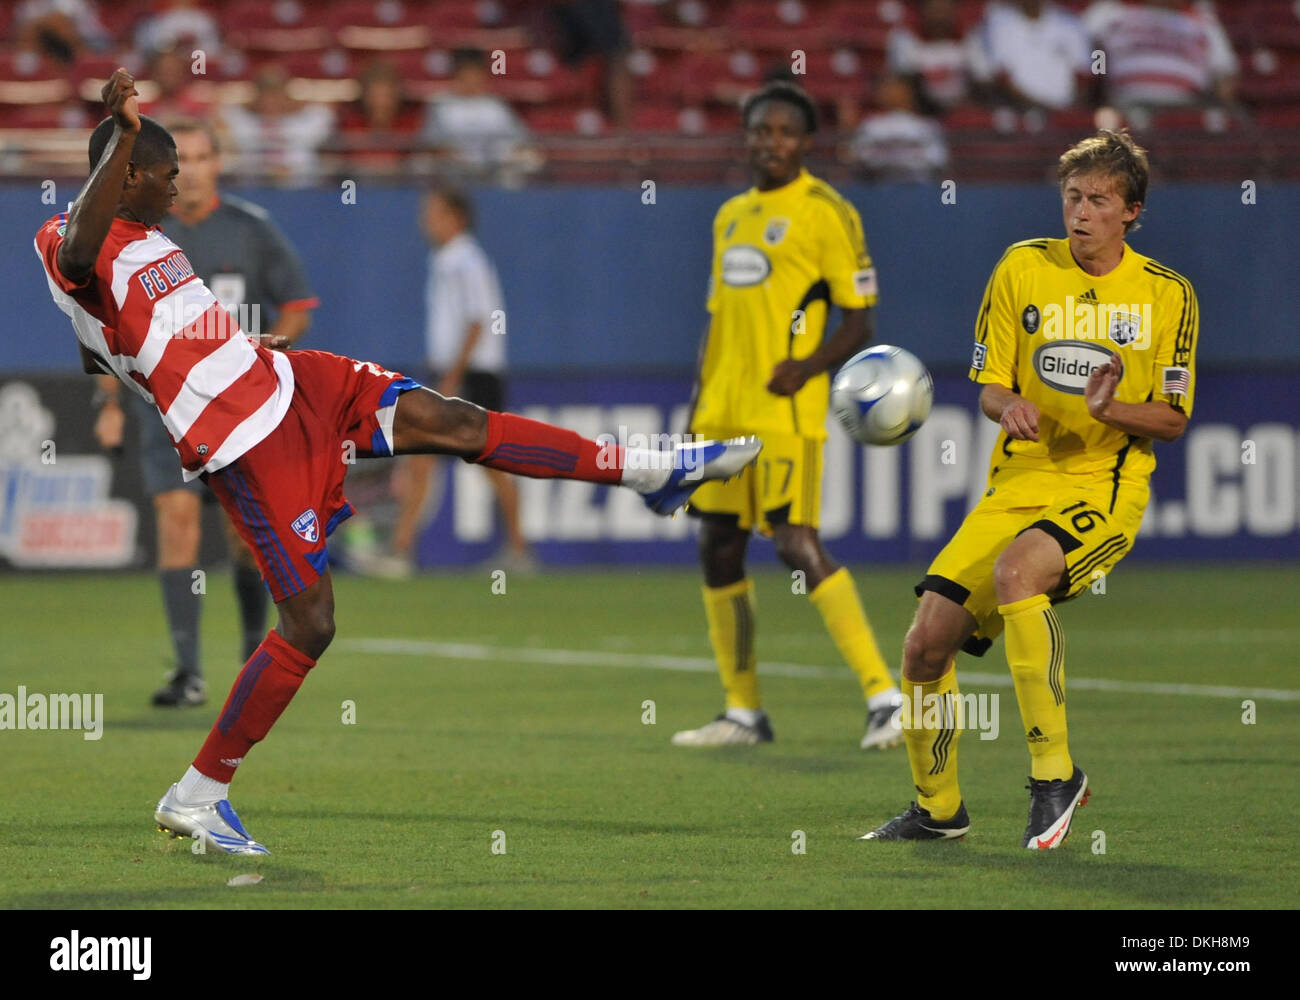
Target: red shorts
x=285 y=494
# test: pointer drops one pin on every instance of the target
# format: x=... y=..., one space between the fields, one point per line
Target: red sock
x=263 y=690
x=544 y=451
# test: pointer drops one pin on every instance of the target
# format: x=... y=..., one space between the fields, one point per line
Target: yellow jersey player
x=1086 y=353
x=783 y=252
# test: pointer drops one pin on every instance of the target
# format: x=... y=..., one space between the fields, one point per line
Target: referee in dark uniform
x=253 y=271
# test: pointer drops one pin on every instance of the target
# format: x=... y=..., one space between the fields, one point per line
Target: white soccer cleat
x=216 y=824
x=701 y=462
x=723 y=731
x=884 y=726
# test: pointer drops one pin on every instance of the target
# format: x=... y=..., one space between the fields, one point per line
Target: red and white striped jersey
x=1158 y=56
x=145 y=313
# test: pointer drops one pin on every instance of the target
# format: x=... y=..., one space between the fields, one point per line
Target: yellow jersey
x=1045 y=324
x=780 y=258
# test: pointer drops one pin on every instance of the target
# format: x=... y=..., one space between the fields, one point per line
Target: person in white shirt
x=933 y=57
x=895 y=143
x=1031 y=54
x=466 y=356
x=276 y=136
x=472 y=130
x=1163 y=54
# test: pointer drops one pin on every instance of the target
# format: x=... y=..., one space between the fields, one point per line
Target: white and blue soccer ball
x=882 y=395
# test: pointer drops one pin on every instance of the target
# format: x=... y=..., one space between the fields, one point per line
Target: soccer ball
x=882 y=395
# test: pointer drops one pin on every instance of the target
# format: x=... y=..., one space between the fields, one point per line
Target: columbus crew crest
x=774 y=231
x=1125 y=328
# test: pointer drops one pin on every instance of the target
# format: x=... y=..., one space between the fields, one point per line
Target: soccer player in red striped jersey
x=271 y=433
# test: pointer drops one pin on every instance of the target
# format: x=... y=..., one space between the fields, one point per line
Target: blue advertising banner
x=1226 y=490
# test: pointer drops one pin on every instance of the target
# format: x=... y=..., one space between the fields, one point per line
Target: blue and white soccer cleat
x=701 y=462
x=216 y=823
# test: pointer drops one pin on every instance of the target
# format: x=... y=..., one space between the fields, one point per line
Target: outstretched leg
x=427 y=423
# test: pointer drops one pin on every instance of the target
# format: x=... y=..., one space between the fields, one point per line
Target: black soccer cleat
x=181 y=691
x=917 y=824
x=1051 y=808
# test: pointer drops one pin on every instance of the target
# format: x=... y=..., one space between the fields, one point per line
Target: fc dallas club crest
x=306 y=527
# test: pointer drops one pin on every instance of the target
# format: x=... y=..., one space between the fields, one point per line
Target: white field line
x=702 y=665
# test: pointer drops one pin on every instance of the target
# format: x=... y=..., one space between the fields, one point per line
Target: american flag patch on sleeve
x=864 y=282
x=1176 y=380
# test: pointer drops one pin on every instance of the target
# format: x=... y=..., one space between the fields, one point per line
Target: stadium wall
x=595 y=278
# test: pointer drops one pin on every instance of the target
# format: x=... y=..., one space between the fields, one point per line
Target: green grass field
x=478 y=712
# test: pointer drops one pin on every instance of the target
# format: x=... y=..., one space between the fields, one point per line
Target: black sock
x=182 y=607
x=253 y=602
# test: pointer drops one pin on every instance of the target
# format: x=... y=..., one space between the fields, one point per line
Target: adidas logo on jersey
x=1035 y=735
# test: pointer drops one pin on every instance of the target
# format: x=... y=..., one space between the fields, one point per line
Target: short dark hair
x=457 y=200
x=782 y=90
x=1113 y=153
x=152 y=144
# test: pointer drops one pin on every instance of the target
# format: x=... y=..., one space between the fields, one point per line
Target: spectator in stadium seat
x=473 y=131
x=378 y=131
x=595 y=28
x=1031 y=54
x=1163 y=54
x=276 y=136
x=933 y=57
x=895 y=143
x=59 y=29
x=179 y=22
x=170 y=72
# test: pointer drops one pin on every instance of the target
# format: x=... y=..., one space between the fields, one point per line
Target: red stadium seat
x=1281 y=117
x=121 y=19
x=720 y=76
x=383 y=24
x=834 y=73
x=1194 y=120
x=285 y=26
x=677 y=24
x=970 y=117
x=536 y=76
x=565 y=119
x=773 y=24
x=856 y=25
x=331 y=64
x=656 y=73
x=26 y=78
x=1071 y=120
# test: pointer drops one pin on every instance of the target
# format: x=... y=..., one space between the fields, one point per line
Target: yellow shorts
x=783 y=487
x=1094 y=518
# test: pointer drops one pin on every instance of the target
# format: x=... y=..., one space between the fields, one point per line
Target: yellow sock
x=730 y=611
x=1036 y=655
x=930 y=732
x=837 y=599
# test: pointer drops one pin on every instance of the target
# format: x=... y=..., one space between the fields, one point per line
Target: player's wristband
x=103 y=397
